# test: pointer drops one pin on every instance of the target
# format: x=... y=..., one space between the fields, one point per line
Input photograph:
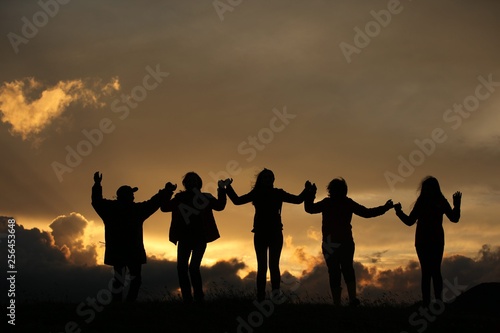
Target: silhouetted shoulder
x=209 y=196
x=349 y=200
x=279 y=191
x=180 y=195
x=325 y=201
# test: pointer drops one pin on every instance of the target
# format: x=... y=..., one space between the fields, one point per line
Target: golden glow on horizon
x=301 y=253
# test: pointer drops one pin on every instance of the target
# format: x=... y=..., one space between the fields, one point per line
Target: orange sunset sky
x=145 y=91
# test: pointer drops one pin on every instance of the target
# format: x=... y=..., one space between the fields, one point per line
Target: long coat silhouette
x=190 y=221
x=123 y=223
x=192 y=227
x=123 y=219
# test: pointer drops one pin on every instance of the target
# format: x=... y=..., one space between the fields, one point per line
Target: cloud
x=29 y=106
x=402 y=284
x=68 y=232
x=313 y=234
x=376 y=256
x=34 y=248
x=59 y=266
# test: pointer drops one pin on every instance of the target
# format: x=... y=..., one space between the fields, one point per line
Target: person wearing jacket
x=123 y=219
x=193 y=226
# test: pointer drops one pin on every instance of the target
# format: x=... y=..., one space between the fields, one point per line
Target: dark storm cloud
x=46 y=272
x=49 y=271
x=402 y=284
x=376 y=256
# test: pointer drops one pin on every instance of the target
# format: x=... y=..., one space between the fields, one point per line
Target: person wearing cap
x=123 y=219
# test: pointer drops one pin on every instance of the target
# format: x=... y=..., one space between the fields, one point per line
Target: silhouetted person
x=428 y=213
x=192 y=227
x=338 y=244
x=123 y=219
x=267 y=226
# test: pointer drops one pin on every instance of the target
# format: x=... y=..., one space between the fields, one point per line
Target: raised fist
x=457 y=198
x=170 y=187
x=226 y=182
x=97 y=177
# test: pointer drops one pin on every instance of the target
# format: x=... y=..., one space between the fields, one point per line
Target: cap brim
x=135 y=189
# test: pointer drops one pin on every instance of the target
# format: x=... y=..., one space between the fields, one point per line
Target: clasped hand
x=170 y=187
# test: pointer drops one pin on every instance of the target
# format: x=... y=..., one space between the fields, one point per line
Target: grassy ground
x=243 y=315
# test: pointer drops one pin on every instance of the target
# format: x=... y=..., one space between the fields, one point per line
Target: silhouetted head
x=126 y=193
x=265 y=180
x=430 y=189
x=337 y=188
x=192 y=181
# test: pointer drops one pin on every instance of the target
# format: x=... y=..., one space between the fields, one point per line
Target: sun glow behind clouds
x=29 y=106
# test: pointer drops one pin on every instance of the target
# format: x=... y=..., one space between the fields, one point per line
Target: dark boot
x=336 y=295
x=133 y=291
x=351 y=289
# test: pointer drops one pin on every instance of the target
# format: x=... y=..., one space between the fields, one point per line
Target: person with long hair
x=267 y=226
x=428 y=213
x=192 y=227
x=338 y=244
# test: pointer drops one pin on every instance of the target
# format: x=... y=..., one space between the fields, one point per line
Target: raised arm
x=150 y=206
x=235 y=198
x=408 y=220
x=97 y=190
x=219 y=203
x=292 y=198
x=103 y=207
x=454 y=214
x=297 y=199
x=309 y=205
x=167 y=204
x=362 y=211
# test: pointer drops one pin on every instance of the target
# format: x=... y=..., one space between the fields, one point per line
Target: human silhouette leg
x=194 y=270
x=118 y=283
x=183 y=254
x=275 y=247
x=135 y=281
x=425 y=268
x=435 y=266
x=346 y=264
x=261 y=245
x=332 y=260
